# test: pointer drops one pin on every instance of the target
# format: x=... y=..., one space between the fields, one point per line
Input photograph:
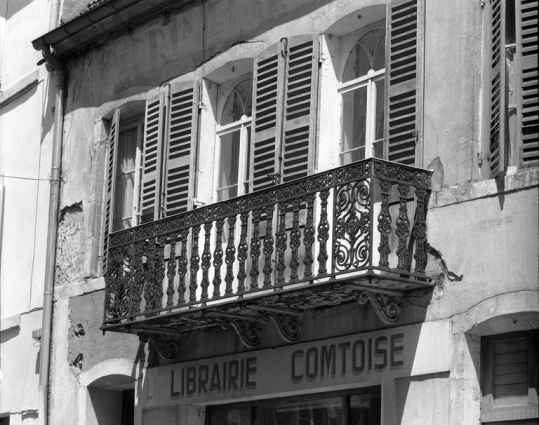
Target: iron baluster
x=242 y=252
x=218 y=258
x=195 y=260
x=295 y=240
x=281 y=243
x=268 y=246
x=171 y=270
x=230 y=255
x=206 y=261
x=420 y=232
x=182 y=267
x=308 y=237
x=403 y=227
x=255 y=249
x=323 y=233
x=384 y=224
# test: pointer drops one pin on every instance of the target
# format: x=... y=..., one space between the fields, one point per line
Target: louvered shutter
x=111 y=180
x=527 y=50
x=267 y=105
x=497 y=89
x=301 y=96
x=152 y=159
x=181 y=137
x=404 y=81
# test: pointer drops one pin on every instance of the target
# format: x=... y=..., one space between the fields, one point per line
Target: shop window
x=509 y=378
x=343 y=408
x=233 y=140
x=4 y=420
x=362 y=93
x=514 y=102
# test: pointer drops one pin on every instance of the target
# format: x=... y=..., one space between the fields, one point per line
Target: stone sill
x=10 y=323
x=19 y=88
x=470 y=191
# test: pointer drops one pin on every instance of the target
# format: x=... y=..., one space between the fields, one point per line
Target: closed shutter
x=285 y=100
x=301 y=97
x=152 y=156
x=111 y=180
x=181 y=137
x=404 y=82
x=267 y=101
x=497 y=89
x=529 y=100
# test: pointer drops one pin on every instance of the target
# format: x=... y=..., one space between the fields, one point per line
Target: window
x=127 y=175
x=509 y=378
x=353 y=407
x=376 y=67
x=234 y=139
x=513 y=85
x=363 y=96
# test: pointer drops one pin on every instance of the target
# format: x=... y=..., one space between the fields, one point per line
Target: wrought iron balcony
x=354 y=233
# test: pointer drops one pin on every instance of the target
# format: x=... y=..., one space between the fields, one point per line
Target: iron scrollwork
x=352 y=219
x=166 y=346
x=249 y=332
x=387 y=307
x=288 y=327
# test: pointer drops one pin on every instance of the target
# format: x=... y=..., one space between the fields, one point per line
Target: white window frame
x=348 y=42
x=135 y=217
x=244 y=126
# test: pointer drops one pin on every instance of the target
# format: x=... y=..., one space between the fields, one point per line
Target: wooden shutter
x=152 y=158
x=267 y=102
x=285 y=100
x=404 y=79
x=497 y=88
x=111 y=180
x=301 y=97
x=527 y=50
x=181 y=137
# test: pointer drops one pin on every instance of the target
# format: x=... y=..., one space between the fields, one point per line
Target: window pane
x=123 y=207
x=127 y=150
x=125 y=179
x=231 y=417
x=365 y=55
x=354 y=119
x=365 y=409
x=229 y=160
x=313 y=412
x=239 y=102
x=379 y=117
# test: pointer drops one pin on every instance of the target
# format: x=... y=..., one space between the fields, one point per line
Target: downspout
x=54 y=66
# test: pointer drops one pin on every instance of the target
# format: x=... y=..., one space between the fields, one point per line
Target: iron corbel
x=166 y=346
x=286 y=321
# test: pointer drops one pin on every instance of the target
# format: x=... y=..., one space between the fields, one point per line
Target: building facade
x=296 y=212
x=27 y=100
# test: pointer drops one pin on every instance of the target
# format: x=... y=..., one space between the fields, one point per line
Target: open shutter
x=181 y=138
x=267 y=105
x=301 y=96
x=111 y=180
x=152 y=155
x=404 y=82
x=529 y=100
x=497 y=89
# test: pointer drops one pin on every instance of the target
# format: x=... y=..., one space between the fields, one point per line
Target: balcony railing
x=357 y=232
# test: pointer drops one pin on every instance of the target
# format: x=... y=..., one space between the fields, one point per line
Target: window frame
x=136 y=122
x=244 y=125
x=347 y=43
x=343 y=394
x=489 y=411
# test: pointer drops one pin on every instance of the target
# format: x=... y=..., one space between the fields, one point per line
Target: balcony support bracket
x=288 y=326
x=248 y=331
x=387 y=307
x=166 y=346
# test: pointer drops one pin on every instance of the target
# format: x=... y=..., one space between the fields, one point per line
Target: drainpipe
x=54 y=66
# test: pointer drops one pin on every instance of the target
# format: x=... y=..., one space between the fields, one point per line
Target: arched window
x=234 y=135
x=362 y=92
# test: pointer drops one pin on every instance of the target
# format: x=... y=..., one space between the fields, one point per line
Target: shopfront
x=345 y=380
